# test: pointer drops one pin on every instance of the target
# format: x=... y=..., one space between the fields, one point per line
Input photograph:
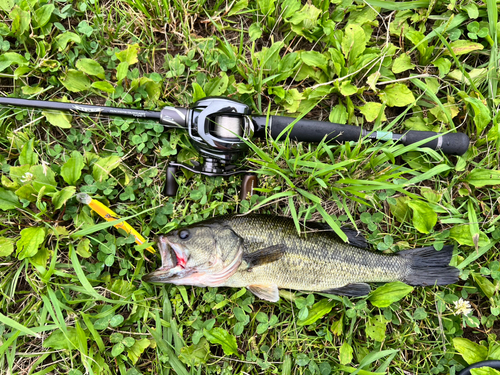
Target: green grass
x=71 y=299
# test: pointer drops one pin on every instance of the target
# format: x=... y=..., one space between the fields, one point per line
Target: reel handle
x=171 y=185
x=248 y=182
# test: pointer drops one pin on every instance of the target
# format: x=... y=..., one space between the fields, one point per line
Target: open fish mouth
x=173 y=259
x=174 y=268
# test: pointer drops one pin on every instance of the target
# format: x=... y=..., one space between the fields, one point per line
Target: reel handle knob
x=171 y=185
x=248 y=183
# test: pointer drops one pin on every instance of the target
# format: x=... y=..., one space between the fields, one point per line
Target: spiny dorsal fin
x=355 y=290
x=268 y=292
x=265 y=255
x=355 y=238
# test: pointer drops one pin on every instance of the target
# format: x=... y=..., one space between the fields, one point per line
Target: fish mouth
x=173 y=258
x=174 y=268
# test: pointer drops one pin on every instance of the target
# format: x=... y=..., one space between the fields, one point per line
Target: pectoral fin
x=265 y=255
x=269 y=292
x=355 y=290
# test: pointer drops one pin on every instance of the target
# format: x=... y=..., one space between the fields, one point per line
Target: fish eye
x=184 y=234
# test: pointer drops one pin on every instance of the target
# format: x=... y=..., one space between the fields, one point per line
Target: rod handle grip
x=450 y=143
x=306 y=130
x=314 y=131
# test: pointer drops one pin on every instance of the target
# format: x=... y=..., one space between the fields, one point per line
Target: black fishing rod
x=494 y=364
x=91 y=109
x=219 y=128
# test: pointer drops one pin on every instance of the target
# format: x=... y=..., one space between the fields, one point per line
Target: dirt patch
x=474 y=335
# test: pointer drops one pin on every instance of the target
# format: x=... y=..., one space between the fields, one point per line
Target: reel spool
x=229 y=127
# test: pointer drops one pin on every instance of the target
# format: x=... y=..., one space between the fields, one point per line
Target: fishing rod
x=220 y=127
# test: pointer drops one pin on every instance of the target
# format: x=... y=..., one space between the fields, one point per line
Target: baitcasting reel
x=218 y=128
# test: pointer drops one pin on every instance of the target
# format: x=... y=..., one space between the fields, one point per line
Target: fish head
x=204 y=255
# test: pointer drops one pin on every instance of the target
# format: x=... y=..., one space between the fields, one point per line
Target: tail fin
x=430 y=267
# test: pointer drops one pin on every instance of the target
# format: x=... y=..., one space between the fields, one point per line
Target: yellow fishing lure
x=109 y=215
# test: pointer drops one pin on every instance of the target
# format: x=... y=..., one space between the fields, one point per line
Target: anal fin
x=268 y=292
x=355 y=290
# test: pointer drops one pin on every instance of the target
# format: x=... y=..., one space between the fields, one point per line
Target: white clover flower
x=462 y=307
x=26 y=177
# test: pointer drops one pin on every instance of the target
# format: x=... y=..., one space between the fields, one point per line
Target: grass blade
x=7 y=344
x=83 y=279
x=93 y=332
x=404 y=5
x=331 y=223
x=17 y=326
x=476 y=255
x=176 y=364
x=274 y=197
x=422 y=86
x=492 y=10
x=437 y=170
x=293 y=212
x=473 y=221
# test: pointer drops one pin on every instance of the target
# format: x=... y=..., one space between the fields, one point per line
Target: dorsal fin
x=355 y=238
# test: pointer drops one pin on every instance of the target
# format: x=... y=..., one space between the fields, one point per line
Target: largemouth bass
x=264 y=253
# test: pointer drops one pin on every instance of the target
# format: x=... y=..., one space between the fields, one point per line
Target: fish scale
x=264 y=253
